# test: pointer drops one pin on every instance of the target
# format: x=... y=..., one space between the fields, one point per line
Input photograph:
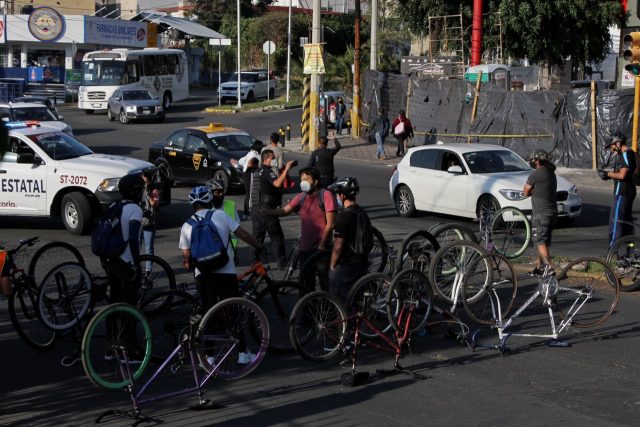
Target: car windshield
x=102 y=72
x=60 y=146
x=232 y=142
x=495 y=161
x=136 y=95
x=245 y=77
x=42 y=114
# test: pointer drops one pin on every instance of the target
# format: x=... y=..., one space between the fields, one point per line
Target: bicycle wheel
x=169 y=314
x=588 y=292
x=451 y=232
x=314 y=274
x=624 y=259
x=510 y=232
x=379 y=253
x=66 y=292
x=488 y=302
x=226 y=339
x=51 y=255
x=409 y=294
x=116 y=330
x=318 y=326
x=291 y=270
x=449 y=266
x=417 y=251
x=369 y=296
x=157 y=276
x=23 y=311
x=277 y=300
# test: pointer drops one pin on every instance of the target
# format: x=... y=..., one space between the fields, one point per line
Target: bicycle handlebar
x=24 y=242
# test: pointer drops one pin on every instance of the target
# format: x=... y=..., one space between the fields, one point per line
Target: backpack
x=207 y=250
x=635 y=176
x=399 y=129
x=106 y=238
x=320 y=199
x=363 y=242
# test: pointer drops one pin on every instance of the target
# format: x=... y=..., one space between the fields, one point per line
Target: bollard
x=281 y=133
x=348 y=127
x=289 y=132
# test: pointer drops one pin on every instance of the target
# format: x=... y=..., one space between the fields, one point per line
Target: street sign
x=313 y=63
x=219 y=42
x=269 y=47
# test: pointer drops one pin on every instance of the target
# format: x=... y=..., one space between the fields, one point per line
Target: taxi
x=47 y=172
x=204 y=153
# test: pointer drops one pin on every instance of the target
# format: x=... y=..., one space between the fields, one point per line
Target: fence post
x=594 y=136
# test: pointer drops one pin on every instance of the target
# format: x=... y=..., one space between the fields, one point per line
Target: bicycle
x=321 y=329
x=624 y=258
x=585 y=294
x=218 y=342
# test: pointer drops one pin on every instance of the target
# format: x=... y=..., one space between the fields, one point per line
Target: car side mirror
x=202 y=150
x=457 y=170
x=29 y=159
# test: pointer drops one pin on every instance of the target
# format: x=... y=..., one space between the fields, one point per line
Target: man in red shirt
x=317 y=208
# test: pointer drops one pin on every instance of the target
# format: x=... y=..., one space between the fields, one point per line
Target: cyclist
x=542 y=186
x=352 y=239
x=317 y=209
x=322 y=160
x=150 y=205
x=213 y=286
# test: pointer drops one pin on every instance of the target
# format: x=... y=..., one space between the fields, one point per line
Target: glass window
x=102 y=72
x=495 y=162
x=194 y=142
x=173 y=64
x=42 y=114
x=177 y=139
x=135 y=95
x=150 y=66
x=60 y=146
x=161 y=62
x=449 y=159
x=232 y=142
x=425 y=159
x=5 y=113
x=16 y=147
x=132 y=73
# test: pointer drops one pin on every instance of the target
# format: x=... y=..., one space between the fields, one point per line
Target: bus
x=163 y=72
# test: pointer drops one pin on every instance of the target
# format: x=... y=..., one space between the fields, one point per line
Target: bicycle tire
x=452 y=231
x=480 y=299
x=417 y=251
x=449 y=266
x=224 y=328
x=67 y=290
x=313 y=267
x=507 y=227
x=96 y=344
x=277 y=300
x=409 y=289
x=159 y=278
x=379 y=253
x=318 y=326
x=369 y=296
x=50 y=256
x=23 y=311
x=168 y=318
x=624 y=259
x=588 y=282
x=292 y=263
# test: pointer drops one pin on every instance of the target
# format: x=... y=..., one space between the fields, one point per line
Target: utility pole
x=355 y=113
x=289 y=54
x=315 y=80
x=373 y=63
x=239 y=104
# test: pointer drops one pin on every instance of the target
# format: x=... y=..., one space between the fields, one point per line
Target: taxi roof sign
x=216 y=126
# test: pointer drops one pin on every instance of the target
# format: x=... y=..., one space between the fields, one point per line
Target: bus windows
x=132 y=74
x=150 y=66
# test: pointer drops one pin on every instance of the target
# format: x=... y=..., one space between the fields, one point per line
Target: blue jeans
x=339 y=124
x=148 y=236
x=380 y=143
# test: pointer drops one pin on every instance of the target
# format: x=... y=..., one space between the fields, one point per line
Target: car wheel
x=123 y=117
x=110 y=115
x=89 y=111
x=404 y=202
x=487 y=207
x=221 y=177
x=272 y=93
x=160 y=118
x=250 y=96
x=76 y=212
x=166 y=100
x=223 y=100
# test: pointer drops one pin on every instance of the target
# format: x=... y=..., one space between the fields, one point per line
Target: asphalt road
x=594 y=382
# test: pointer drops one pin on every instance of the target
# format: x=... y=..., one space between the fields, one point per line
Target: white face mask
x=305 y=186
x=340 y=203
x=274 y=163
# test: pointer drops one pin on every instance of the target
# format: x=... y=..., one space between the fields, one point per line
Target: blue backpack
x=106 y=238
x=208 y=253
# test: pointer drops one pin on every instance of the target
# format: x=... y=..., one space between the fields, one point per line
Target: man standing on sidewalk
x=379 y=131
x=341 y=111
x=322 y=160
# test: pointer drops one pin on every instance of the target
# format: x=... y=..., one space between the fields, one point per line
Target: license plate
x=96 y=105
x=560 y=207
x=146 y=112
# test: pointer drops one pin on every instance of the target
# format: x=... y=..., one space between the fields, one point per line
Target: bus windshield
x=102 y=72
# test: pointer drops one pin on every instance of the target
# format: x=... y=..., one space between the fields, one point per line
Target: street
x=593 y=382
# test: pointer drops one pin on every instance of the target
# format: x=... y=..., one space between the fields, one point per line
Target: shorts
x=542 y=228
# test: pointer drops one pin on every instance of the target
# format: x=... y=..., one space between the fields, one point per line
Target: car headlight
x=130 y=108
x=109 y=185
x=573 y=190
x=513 y=195
x=158 y=107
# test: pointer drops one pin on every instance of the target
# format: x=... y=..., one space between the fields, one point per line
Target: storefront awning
x=186 y=26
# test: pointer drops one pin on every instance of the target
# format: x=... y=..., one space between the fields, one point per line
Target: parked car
x=253 y=85
x=462 y=179
x=201 y=154
x=134 y=104
x=29 y=111
x=39 y=100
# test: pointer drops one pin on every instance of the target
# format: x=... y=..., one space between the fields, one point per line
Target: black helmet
x=348 y=186
x=618 y=137
x=131 y=186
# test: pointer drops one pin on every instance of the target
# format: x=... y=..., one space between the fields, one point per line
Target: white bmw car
x=460 y=179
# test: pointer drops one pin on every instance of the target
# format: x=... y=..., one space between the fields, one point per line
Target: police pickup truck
x=46 y=172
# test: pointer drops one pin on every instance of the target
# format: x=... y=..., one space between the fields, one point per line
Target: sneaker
x=246 y=357
x=536 y=272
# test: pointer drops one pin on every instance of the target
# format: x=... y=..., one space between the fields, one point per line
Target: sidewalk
x=359 y=149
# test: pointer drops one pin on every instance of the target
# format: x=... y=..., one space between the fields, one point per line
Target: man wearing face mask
x=624 y=189
x=317 y=208
x=269 y=196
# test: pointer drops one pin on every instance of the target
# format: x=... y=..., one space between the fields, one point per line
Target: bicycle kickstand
x=399 y=369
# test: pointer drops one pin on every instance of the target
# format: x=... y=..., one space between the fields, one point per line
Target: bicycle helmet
x=131 y=186
x=200 y=194
x=348 y=186
x=539 y=155
x=618 y=137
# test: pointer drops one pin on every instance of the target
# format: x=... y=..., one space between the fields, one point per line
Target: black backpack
x=635 y=175
x=106 y=238
x=363 y=242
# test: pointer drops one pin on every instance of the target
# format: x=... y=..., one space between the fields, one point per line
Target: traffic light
x=632 y=52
